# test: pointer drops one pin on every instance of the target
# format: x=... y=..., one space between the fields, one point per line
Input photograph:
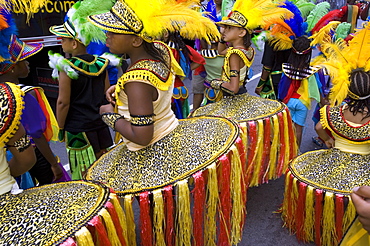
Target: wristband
x=111 y=118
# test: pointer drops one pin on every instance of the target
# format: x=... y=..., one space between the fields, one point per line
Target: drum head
x=49 y=214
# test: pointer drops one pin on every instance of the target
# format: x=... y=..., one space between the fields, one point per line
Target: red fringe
x=116 y=222
x=244 y=185
x=293 y=150
x=266 y=152
x=199 y=205
x=300 y=212
x=98 y=231
x=339 y=213
x=169 y=211
x=252 y=145
x=319 y=196
x=225 y=201
x=145 y=221
x=69 y=242
x=281 y=162
x=289 y=199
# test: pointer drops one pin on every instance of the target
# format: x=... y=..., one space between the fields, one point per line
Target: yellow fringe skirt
x=268 y=129
x=317 y=206
x=190 y=185
x=67 y=213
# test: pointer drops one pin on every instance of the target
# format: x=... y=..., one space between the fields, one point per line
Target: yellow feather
x=360 y=47
x=324 y=34
x=261 y=11
x=159 y=16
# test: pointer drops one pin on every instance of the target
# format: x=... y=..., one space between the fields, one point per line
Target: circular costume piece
x=317 y=204
x=269 y=134
x=61 y=212
x=11 y=110
x=195 y=152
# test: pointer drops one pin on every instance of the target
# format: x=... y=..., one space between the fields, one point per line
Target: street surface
x=263 y=227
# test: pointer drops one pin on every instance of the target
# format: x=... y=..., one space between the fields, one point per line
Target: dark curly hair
x=300 y=61
x=360 y=85
x=154 y=52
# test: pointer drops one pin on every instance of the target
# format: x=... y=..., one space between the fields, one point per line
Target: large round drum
x=269 y=134
x=64 y=213
x=317 y=206
x=186 y=183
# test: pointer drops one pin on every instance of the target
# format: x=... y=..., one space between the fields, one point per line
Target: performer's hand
x=107 y=108
x=57 y=171
x=329 y=143
x=361 y=199
x=61 y=135
x=258 y=90
x=110 y=94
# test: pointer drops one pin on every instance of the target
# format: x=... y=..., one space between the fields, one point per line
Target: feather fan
x=28 y=7
x=296 y=21
x=316 y=14
x=334 y=15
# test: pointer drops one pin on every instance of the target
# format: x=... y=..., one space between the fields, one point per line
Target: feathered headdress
x=283 y=32
x=28 y=7
x=12 y=49
x=77 y=26
x=251 y=14
x=151 y=19
x=341 y=59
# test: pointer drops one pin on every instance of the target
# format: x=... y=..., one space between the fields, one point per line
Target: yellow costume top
x=349 y=136
x=156 y=74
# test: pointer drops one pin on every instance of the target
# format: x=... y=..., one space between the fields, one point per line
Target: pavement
x=263 y=226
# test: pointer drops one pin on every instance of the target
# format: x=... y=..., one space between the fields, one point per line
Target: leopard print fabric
x=332 y=170
x=241 y=108
x=49 y=214
x=192 y=146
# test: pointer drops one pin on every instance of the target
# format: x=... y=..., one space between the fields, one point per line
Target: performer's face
x=67 y=45
x=22 y=69
x=231 y=33
x=119 y=43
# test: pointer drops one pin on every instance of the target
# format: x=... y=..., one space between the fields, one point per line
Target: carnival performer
x=83 y=80
x=38 y=118
x=188 y=59
x=322 y=210
x=160 y=153
x=269 y=151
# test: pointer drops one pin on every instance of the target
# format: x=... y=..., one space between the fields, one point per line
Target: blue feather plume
x=295 y=23
x=6 y=34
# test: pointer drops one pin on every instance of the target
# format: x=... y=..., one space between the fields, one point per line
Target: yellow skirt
x=268 y=129
x=317 y=206
x=186 y=183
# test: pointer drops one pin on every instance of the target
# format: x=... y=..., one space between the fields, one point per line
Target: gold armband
x=21 y=144
x=234 y=73
x=142 y=120
x=216 y=84
x=111 y=118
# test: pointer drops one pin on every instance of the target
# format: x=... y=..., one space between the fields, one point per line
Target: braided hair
x=157 y=54
x=360 y=86
x=298 y=60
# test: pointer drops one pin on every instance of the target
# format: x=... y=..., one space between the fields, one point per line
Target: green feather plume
x=316 y=14
x=343 y=29
x=87 y=32
x=305 y=7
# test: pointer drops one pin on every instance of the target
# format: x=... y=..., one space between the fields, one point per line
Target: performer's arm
x=140 y=102
x=361 y=199
x=235 y=66
x=23 y=154
x=329 y=142
x=64 y=97
x=264 y=76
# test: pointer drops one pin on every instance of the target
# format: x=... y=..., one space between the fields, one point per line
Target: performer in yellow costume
x=317 y=205
x=160 y=155
x=270 y=140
